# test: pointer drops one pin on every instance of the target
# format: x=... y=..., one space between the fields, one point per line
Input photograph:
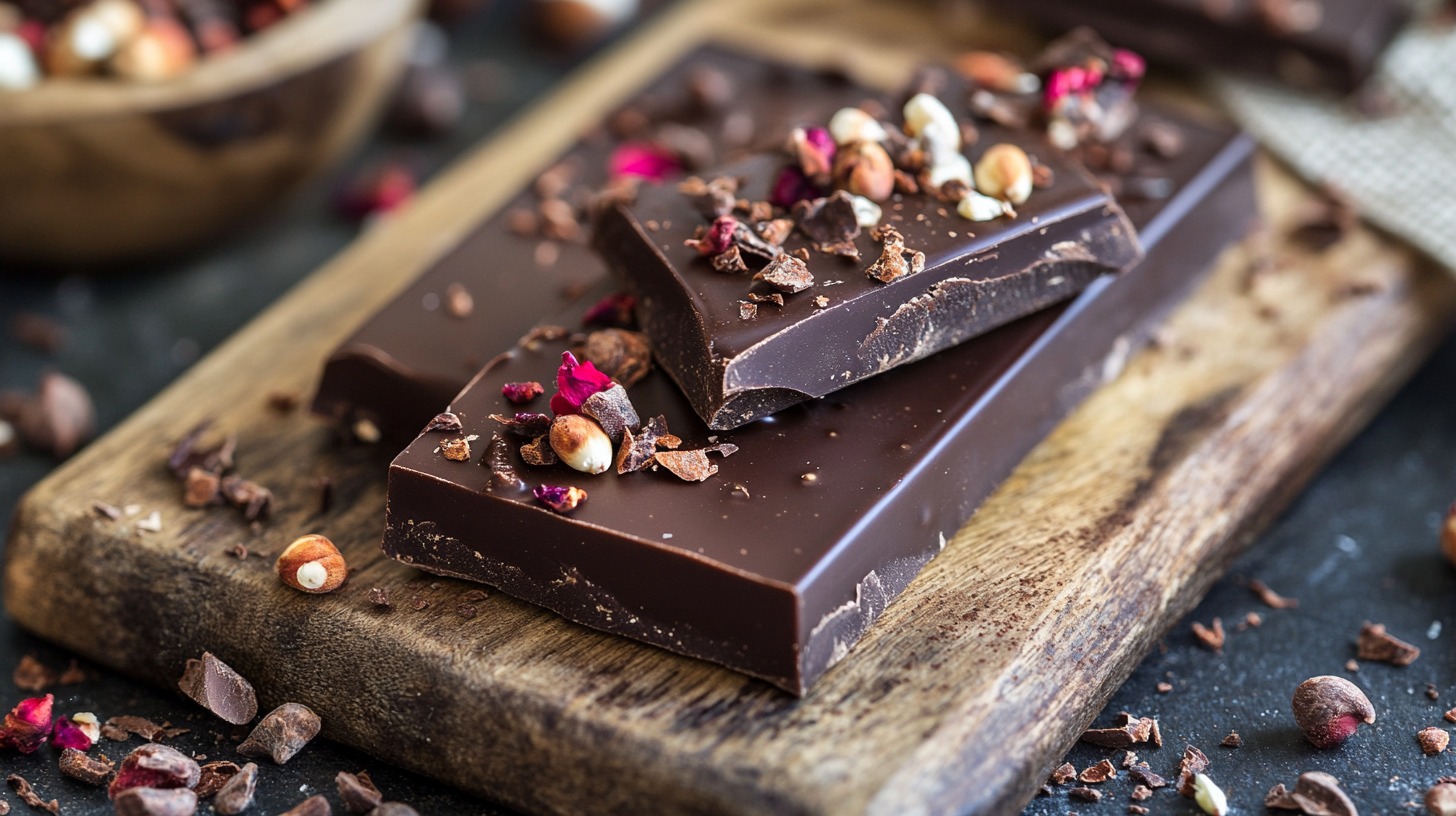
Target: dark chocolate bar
x=416 y=353
x=1333 y=44
x=846 y=325
x=776 y=565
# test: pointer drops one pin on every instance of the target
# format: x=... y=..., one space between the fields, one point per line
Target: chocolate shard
x=357 y=792
x=155 y=802
x=237 y=793
x=282 y=733
x=216 y=687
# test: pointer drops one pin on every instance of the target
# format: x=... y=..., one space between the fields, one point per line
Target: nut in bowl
x=100 y=169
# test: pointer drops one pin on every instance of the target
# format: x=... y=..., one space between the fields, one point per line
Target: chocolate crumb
x=829 y=222
x=1138 y=810
x=215 y=686
x=538 y=452
x=1314 y=792
x=1271 y=598
x=1433 y=740
x=1141 y=793
x=1085 y=794
x=1431 y=691
x=92 y=771
x=282 y=733
x=119 y=728
x=1233 y=740
x=379 y=597
x=746 y=310
x=729 y=261
x=456 y=450
x=1063 y=774
x=689 y=465
x=312 y=806
x=775 y=298
x=1374 y=643
x=201 y=488
x=1129 y=759
x=236 y=794
x=1211 y=638
x=787 y=274
x=1143 y=776
x=1450 y=716
x=1101 y=772
x=895 y=260
x=357 y=792
x=1194 y=762
x=447 y=422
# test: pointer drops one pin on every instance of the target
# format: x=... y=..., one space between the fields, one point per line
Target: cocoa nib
x=1095 y=774
x=1085 y=794
x=155 y=802
x=236 y=795
x=729 y=261
x=829 y=222
x=1233 y=740
x=538 y=452
x=711 y=198
x=1375 y=643
x=357 y=792
x=312 y=806
x=1194 y=762
x=1315 y=792
x=1128 y=731
x=693 y=465
x=446 y=422
x=638 y=450
x=1271 y=598
x=215 y=686
x=119 y=728
x=525 y=423
x=895 y=260
x=787 y=274
x=1142 y=775
x=77 y=765
x=282 y=733
x=612 y=410
x=32 y=675
x=215 y=775
x=456 y=450
x=1212 y=637
x=1063 y=774
x=1433 y=740
x=28 y=795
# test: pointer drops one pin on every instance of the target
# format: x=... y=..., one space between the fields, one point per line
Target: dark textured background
x=1359 y=544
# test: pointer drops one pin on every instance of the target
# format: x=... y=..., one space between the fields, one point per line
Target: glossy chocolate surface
x=977 y=276
x=413 y=356
x=778 y=564
x=1337 y=46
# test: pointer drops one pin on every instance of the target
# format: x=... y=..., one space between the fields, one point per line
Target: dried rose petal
x=575 y=382
x=1128 y=66
x=379 y=189
x=613 y=310
x=815 y=149
x=717 y=238
x=644 y=160
x=28 y=725
x=561 y=498
x=520 y=393
x=67 y=734
x=791 y=186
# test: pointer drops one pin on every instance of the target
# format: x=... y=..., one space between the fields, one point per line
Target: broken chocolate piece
x=612 y=410
x=1194 y=762
x=236 y=794
x=215 y=775
x=1375 y=643
x=219 y=689
x=282 y=733
x=77 y=765
x=787 y=274
x=357 y=792
x=28 y=795
x=155 y=802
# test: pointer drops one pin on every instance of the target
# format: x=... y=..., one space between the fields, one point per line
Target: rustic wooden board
x=959 y=699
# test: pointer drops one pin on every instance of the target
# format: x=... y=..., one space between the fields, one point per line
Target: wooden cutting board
x=958 y=700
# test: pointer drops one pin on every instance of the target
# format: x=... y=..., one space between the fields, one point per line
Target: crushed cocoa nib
x=379 y=597
x=1141 y=793
x=38 y=332
x=1137 y=810
x=1194 y=762
x=498 y=458
x=456 y=450
x=775 y=298
x=1095 y=774
x=282 y=733
x=254 y=499
x=28 y=795
x=623 y=355
x=775 y=230
x=612 y=410
x=1142 y=775
x=718 y=196
x=729 y=262
x=1128 y=730
x=236 y=794
x=214 y=776
x=638 y=449
x=750 y=241
x=312 y=806
x=538 y=452
x=92 y=771
x=189 y=452
x=1375 y=643
x=1431 y=692
x=759 y=212
x=829 y=222
x=119 y=728
x=1129 y=759
x=1450 y=716
x=32 y=675
x=1063 y=774
x=1433 y=740
x=1211 y=638
x=787 y=274
x=895 y=260
x=357 y=792
x=525 y=423
x=689 y=465
x=746 y=310
x=1084 y=794
x=446 y=422
x=200 y=488
x=1315 y=792
x=1233 y=740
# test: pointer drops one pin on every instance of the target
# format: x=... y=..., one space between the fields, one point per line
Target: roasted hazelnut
x=581 y=443
x=865 y=169
x=1004 y=172
x=1329 y=709
x=312 y=564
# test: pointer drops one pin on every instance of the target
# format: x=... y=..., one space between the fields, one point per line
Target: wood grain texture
x=960 y=697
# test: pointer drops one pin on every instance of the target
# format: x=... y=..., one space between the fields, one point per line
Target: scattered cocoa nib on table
x=315 y=805
x=1440 y=799
x=83 y=768
x=29 y=796
x=1233 y=740
x=1194 y=762
x=1374 y=643
x=1211 y=637
x=1127 y=731
x=1433 y=740
x=282 y=733
x=155 y=766
x=1271 y=598
x=357 y=792
x=215 y=775
x=1315 y=793
x=155 y=802
x=1097 y=774
x=236 y=795
x=207 y=476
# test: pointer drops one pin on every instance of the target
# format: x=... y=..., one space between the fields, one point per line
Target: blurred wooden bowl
x=99 y=170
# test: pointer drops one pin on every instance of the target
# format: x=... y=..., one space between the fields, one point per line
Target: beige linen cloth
x=1400 y=169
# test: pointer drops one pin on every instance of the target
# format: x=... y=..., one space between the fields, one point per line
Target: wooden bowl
x=99 y=170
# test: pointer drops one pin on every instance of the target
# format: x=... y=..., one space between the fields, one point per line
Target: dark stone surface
x=1359 y=544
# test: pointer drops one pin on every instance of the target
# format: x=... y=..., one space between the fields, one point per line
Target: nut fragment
x=1329 y=709
x=851 y=125
x=929 y=120
x=312 y=564
x=282 y=733
x=1004 y=172
x=865 y=169
x=215 y=775
x=581 y=443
